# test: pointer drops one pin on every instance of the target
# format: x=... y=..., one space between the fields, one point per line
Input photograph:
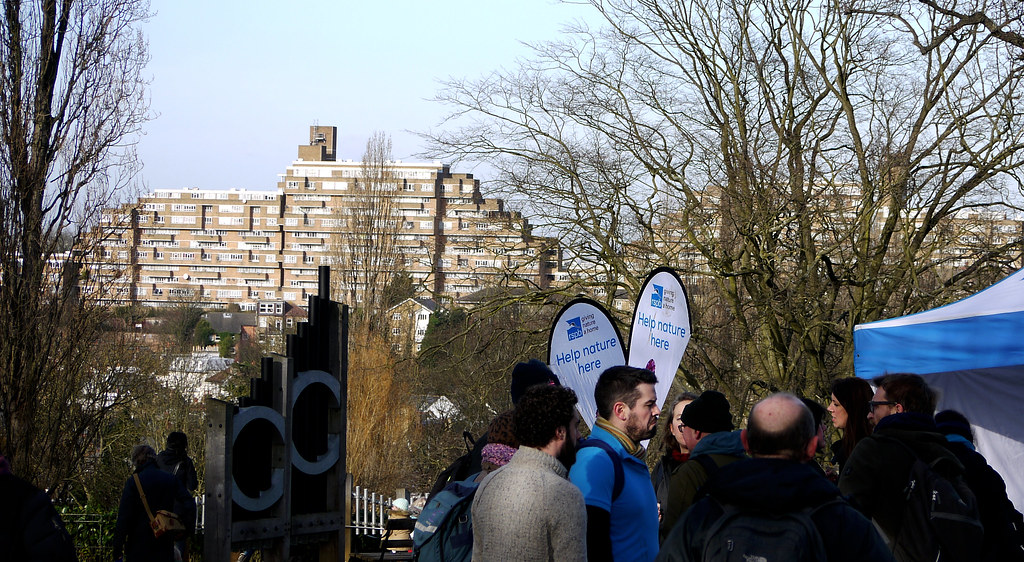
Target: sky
x=235 y=85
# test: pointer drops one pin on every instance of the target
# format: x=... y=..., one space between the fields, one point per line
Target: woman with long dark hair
x=674 y=451
x=849 y=409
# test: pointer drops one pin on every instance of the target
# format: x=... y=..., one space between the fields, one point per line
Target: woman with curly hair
x=849 y=409
x=674 y=449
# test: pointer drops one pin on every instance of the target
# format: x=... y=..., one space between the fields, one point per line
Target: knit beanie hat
x=709 y=413
x=501 y=441
x=525 y=375
x=951 y=422
x=503 y=429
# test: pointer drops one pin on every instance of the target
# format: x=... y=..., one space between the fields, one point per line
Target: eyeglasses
x=876 y=403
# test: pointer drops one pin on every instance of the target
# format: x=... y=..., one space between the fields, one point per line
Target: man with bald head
x=749 y=503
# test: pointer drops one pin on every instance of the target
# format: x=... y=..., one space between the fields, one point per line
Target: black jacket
x=1003 y=523
x=30 y=528
x=875 y=476
x=779 y=486
x=132 y=533
x=180 y=465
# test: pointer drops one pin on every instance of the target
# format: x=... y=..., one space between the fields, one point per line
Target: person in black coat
x=1004 y=525
x=175 y=459
x=30 y=528
x=132 y=534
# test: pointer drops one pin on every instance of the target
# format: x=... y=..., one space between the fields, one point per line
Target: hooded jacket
x=778 y=486
x=876 y=473
x=181 y=466
x=724 y=447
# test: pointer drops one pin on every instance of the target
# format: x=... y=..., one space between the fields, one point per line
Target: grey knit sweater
x=528 y=510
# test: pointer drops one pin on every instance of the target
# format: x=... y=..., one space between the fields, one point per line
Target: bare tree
x=71 y=103
x=806 y=167
x=367 y=254
x=1003 y=19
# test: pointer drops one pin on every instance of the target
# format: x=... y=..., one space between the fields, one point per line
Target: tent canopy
x=978 y=332
x=972 y=351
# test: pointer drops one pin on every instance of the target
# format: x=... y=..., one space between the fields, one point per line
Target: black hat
x=177 y=441
x=525 y=375
x=951 y=422
x=709 y=413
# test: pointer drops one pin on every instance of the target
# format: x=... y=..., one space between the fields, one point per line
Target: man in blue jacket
x=625 y=526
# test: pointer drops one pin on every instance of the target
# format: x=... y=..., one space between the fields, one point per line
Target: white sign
x=584 y=343
x=661 y=328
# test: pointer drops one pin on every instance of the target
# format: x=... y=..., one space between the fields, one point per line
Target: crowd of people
x=907 y=484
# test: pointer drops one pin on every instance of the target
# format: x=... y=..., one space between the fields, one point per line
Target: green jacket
x=724 y=448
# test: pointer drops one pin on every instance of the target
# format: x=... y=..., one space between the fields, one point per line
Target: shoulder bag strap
x=619 y=481
x=142 y=495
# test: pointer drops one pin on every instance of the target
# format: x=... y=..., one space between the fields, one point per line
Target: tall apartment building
x=240 y=246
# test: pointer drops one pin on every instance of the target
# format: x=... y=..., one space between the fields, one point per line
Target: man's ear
x=810 y=449
x=561 y=433
x=899 y=408
x=743 y=439
x=620 y=410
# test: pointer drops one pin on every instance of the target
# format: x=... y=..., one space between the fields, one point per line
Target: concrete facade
x=241 y=246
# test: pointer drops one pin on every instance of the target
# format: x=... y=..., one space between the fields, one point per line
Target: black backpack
x=744 y=534
x=462 y=467
x=940 y=521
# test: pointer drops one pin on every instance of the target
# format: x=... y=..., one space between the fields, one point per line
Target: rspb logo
x=657 y=296
x=575 y=330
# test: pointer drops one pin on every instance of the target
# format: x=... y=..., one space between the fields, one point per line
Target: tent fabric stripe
x=968 y=343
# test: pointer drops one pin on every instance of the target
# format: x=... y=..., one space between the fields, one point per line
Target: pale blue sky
x=235 y=85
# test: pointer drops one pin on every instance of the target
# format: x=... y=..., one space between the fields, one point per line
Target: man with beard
x=527 y=509
x=625 y=526
x=707 y=429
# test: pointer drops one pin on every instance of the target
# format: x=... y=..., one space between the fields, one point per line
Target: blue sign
x=656 y=296
x=575 y=330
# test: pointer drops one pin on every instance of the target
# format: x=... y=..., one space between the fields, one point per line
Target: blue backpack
x=444 y=529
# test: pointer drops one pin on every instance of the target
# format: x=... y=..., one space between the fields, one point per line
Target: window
x=396 y=331
x=396 y=316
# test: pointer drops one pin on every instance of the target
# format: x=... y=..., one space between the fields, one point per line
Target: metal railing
x=369 y=511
